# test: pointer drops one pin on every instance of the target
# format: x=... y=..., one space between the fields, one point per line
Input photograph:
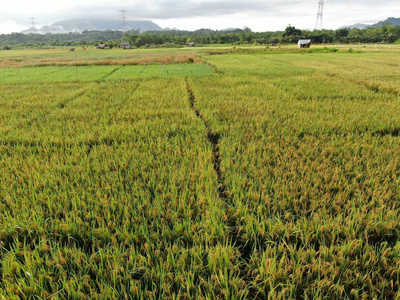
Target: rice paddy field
x=222 y=173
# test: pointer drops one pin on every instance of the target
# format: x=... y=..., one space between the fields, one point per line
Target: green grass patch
x=91 y=73
x=54 y=74
x=175 y=70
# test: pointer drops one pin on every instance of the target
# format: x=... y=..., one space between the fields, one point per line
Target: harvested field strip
x=96 y=58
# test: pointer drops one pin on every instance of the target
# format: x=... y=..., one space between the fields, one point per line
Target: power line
x=319 y=25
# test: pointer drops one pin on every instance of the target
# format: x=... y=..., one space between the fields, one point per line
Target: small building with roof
x=304 y=44
x=124 y=45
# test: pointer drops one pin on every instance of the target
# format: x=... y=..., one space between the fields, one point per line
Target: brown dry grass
x=146 y=59
x=10 y=63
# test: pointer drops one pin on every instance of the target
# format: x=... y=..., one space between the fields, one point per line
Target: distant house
x=101 y=46
x=192 y=44
x=304 y=44
x=124 y=45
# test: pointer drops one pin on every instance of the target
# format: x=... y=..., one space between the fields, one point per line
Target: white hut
x=125 y=45
x=304 y=44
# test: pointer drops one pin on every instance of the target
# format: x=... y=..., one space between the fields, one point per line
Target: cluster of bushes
x=381 y=34
x=176 y=38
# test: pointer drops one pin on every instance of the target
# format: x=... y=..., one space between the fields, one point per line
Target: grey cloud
x=186 y=9
x=304 y=11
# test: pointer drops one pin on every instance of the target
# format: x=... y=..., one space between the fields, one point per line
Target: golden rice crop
x=276 y=177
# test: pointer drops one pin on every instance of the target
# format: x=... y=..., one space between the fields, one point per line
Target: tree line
x=175 y=38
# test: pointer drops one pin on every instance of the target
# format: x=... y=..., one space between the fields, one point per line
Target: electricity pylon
x=33 y=22
x=123 y=19
x=319 y=24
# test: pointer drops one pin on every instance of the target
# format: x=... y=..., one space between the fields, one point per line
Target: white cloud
x=10 y=26
x=259 y=15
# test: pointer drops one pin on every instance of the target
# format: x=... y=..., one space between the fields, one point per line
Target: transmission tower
x=123 y=19
x=319 y=25
x=33 y=22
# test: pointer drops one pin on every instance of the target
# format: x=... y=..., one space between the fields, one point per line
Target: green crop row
x=48 y=74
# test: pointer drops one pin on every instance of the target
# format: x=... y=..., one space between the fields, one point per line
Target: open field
x=61 y=56
x=255 y=174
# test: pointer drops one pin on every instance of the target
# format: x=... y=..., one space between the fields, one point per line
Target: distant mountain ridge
x=79 y=25
x=392 y=21
x=357 y=25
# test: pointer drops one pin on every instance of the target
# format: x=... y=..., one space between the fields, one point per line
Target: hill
x=79 y=25
x=357 y=25
x=392 y=21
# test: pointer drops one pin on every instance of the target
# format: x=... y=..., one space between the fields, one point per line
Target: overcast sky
x=259 y=15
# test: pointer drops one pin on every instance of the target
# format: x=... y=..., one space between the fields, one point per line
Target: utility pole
x=319 y=25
